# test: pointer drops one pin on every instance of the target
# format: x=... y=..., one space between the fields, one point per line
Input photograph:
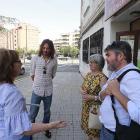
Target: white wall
x=84 y=68
x=118 y=27
x=110 y=29
x=93 y=5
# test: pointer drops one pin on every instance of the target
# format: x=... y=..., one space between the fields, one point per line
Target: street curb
x=21 y=79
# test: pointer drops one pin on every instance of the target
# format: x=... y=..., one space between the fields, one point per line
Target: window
x=96 y=42
x=85 y=50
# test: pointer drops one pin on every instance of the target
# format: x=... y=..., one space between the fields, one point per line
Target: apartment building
x=24 y=36
x=67 y=39
x=3 y=38
x=104 y=21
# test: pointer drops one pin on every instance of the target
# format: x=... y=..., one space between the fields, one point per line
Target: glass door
x=133 y=38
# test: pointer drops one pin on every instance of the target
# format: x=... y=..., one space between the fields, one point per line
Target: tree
x=4 y=21
x=74 y=52
x=67 y=50
x=31 y=52
x=62 y=50
x=20 y=51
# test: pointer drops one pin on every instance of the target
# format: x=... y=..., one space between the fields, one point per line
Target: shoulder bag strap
x=112 y=97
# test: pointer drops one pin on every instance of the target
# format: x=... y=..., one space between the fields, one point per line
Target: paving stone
x=66 y=105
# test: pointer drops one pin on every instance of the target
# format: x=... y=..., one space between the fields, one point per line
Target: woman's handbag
x=94 y=114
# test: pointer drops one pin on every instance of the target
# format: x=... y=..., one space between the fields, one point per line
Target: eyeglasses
x=19 y=61
x=92 y=62
x=44 y=70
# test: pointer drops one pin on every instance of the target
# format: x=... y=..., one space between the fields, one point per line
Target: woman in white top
x=14 y=118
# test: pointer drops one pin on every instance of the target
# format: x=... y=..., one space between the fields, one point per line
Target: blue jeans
x=25 y=138
x=105 y=135
x=34 y=109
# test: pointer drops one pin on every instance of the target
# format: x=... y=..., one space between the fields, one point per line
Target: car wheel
x=22 y=71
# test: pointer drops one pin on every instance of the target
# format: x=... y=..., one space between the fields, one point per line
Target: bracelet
x=95 y=98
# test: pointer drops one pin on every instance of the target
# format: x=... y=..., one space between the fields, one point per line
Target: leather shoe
x=31 y=137
x=48 y=134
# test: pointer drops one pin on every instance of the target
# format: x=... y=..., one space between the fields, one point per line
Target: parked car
x=62 y=57
x=29 y=57
x=22 y=69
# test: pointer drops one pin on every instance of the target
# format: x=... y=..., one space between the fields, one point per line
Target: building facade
x=67 y=39
x=24 y=36
x=103 y=22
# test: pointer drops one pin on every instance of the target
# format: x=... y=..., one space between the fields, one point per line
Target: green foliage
x=31 y=52
x=69 y=51
x=61 y=50
x=138 y=64
x=37 y=52
x=6 y=20
x=20 y=51
x=74 y=52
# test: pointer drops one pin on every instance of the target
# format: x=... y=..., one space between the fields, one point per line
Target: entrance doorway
x=133 y=38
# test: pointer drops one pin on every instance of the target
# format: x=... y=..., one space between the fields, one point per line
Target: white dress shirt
x=42 y=84
x=129 y=86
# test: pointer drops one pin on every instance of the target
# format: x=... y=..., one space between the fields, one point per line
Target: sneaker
x=48 y=134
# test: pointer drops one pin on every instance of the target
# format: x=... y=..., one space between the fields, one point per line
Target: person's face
x=112 y=61
x=46 y=50
x=17 y=68
x=93 y=65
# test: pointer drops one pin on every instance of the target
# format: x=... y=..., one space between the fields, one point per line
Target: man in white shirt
x=42 y=71
x=126 y=93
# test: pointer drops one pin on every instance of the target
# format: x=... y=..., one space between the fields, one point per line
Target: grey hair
x=99 y=59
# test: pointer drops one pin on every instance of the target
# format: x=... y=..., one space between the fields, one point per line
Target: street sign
x=113 y=6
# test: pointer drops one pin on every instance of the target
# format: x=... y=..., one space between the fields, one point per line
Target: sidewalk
x=66 y=105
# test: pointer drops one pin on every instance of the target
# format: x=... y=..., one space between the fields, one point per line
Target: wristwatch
x=95 y=98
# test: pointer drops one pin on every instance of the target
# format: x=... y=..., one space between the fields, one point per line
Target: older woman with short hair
x=14 y=117
x=92 y=85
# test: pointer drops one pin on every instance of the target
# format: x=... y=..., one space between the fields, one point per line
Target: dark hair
x=50 y=43
x=7 y=60
x=121 y=46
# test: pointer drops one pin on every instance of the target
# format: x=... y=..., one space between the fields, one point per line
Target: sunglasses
x=115 y=43
x=44 y=70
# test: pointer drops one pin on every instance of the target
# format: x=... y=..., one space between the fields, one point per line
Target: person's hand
x=107 y=91
x=57 y=124
x=84 y=92
x=114 y=86
x=86 y=97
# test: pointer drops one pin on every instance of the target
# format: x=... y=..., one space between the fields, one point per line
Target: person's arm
x=114 y=88
x=54 y=69
x=32 y=67
x=15 y=115
x=132 y=103
x=88 y=97
x=81 y=90
x=40 y=127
